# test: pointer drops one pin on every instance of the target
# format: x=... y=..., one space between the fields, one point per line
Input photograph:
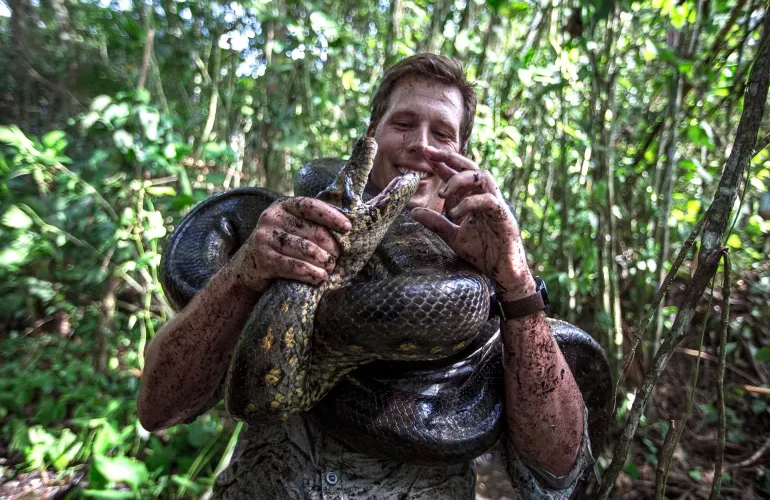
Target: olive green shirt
x=295 y=459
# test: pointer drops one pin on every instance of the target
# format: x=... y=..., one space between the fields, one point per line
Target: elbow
x=153 y=422
x=148 y=413
x=149 y=421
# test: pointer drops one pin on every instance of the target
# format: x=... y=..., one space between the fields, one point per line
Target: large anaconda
x=414 y=301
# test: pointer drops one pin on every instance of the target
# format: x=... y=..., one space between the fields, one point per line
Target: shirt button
x=332 y=478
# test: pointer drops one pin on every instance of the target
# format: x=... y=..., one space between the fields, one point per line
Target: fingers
x=292 y=240
x=436 y=223
x=448 y=163
x=443 y=171
x=468 y=182
x=452 y=159
x=290 y=268
x=486 y=202
x=278 y=217
x=310 y=231
x=301 y=249
x=317 y=211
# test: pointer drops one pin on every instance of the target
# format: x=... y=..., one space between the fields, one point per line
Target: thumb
x=436 y=223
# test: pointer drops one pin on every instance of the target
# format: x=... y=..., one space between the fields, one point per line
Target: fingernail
x=442 y=192
x=347 y=226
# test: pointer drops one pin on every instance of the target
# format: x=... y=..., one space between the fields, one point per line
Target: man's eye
x=442 y=135
x=401 y=124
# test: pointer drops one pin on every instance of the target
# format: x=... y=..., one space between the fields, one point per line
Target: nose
x=417 y=139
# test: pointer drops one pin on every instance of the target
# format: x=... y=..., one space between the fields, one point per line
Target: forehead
x=417 y=94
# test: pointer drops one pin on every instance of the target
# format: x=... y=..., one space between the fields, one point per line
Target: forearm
x=543 y=402
x=190 y=354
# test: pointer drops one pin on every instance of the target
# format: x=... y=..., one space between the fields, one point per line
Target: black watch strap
x=526 y=306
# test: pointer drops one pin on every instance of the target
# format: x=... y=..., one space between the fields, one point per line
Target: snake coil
x=416 y=407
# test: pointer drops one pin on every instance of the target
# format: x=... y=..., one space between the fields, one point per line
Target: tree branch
x=722 y=424
x=146 y=58
x=711 y=251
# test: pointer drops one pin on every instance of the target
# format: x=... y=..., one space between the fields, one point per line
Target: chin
x=426 y=201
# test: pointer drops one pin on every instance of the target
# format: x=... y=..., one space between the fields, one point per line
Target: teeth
x=423 y=175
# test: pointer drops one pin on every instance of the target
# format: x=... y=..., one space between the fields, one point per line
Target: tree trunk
x=145 y=67
x=667 y=190
x=105 y=326
x=213 y=77
x=440 y=8
x=20 y=13
x=394 y=32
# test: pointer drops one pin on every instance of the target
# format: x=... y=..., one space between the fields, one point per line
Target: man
x=422 y=116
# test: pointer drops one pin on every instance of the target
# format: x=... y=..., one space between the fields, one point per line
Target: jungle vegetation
x=611 y=125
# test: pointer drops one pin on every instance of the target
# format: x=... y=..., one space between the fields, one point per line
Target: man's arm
x=189 y=356
x=543 y=402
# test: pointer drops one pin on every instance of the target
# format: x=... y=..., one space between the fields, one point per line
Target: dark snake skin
x=441 y=400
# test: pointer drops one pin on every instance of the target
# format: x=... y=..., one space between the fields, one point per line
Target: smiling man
x=422 y=117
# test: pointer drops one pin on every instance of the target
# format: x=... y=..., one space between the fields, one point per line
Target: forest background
x=608 y=124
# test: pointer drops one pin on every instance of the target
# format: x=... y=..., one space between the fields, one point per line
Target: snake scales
x=411 y=311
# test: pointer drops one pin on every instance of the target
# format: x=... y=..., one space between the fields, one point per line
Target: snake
x=396 y=354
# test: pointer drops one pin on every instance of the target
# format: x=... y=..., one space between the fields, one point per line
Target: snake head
x=348 y=188
x=370 y=219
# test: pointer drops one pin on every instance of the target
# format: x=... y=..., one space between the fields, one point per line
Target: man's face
x=420 y=113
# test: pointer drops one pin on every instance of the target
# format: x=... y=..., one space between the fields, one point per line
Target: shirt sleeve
x=534 y=483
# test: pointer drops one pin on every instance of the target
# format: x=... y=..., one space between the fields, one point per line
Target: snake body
x=396 y=356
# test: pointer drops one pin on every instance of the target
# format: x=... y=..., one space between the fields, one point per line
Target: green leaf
x=109 y=494
x=349 y=80
x=14 y=217
x=603 y=8
x=56 y=140
x=121 y=470
x=123 y=140
x=142 y=96
x=696 y=475
x=106 y=437
x=161 y=190
x=525 y=75
x=116 y=114
x=8 y=135
x=322 y=24
x=15 y=137
x=89 y=119
x=494 y=4
x=763 y=354
x=100 y=103
x=185 y=482
x=150 y=118
x=650 y=51
x=169 y=151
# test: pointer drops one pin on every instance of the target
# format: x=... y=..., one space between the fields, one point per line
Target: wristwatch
x=527 y=306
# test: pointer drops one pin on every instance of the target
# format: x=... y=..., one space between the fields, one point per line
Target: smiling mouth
x=403 y=170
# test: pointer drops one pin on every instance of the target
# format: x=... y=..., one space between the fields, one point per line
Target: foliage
x=120 y=116
x=61 y=242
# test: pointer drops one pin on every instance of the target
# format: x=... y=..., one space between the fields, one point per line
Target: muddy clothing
x=297 y=460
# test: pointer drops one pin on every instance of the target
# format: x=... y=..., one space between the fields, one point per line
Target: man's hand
x=291 y=241
x=480 y=228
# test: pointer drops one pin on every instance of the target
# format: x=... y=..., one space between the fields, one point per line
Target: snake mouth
x=400 y=188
